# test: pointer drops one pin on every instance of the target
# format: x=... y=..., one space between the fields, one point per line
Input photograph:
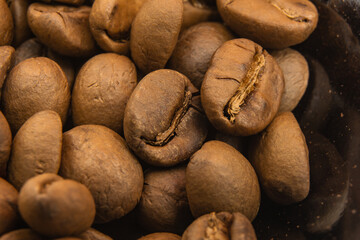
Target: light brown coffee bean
x=6 y=62
x=56 y=207
x=36 y=148
x=8 y=207
x=219 y=178
x=6 y=24
x=281 y=159
x=22 y=30
x=5 y=144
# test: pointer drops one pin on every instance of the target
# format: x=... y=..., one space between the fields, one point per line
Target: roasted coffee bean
x=93 y=234
x=22 y=234
x=47 y=200
x=36 y=148
x=8 y=207
x=296 y=75
x=278 y=23
x=164 y=205
x=102 y=89
x=164 y=124
x=242 y=89
x=197 y=13
x=161 y=236
x=22 y=30
x=110 y=22
x=154 y=33
x=195 y=48
x=99 y=158
x=281 y=159
x=219 y=178
x=34 y=85
x=5 y=144
x=220 y=226
x=6 y=24
x=63 y=29
x=6 y=62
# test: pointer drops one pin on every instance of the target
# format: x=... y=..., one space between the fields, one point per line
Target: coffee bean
x=164 y=124
x=6 y=62
x=36 y=148
x=222 y=226
x=197 y=13
x=5 y=144
x=161 y=236
x=281 y=159
x=219 y=178
x=47 y=200
x=8 y=207
x=6 y=24
x=93 y=234
x=21 y=234
x=242 y=89
x=278 y=23
x=22 y=30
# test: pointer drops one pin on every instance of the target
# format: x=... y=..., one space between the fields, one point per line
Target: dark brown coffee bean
x=164 y=205
x=161 y=236
x=102 y=89
x=296 y=75
x=219 y=178
x=99 y=158
x=220 y=226
x=22 y=234
x=281 y=159
x=8 y=206
x=110 y=22
x=242 y=89
x=197 y=13
x=6 y=62
x=6 y=24
x=195 y=48
x=164 y=124
x=63 y=29
x=278 y=23
x=5 y=144
x=93 y=234
x=154 y=33
x=22 y=30
x=34 y=85
x=56 y=207
x=36 y=148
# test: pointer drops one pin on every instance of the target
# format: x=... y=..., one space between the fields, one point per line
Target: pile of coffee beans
x=168 y=118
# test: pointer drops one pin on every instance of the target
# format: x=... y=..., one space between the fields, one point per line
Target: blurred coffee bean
x=6 y=24
x=6 y=62
x=5 y=144
x=9 y=215
x=22 y=30
x=197 y=13
x=22 y=234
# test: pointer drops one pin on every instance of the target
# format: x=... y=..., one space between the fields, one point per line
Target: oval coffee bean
x=195 y=48
x=47 y=201
x=22 y=30
x=154 y=33
x=63 y=29
x=36 y=148
x=219 y=178
x=102 y=89
x=161 y=236
x=34 y=85
x=164 y=124
x=197 y=13
x=110 y=22
x=242 y=89
x=6 y=24
x=222 y=226
x=278 y=23
x=93 y=234
x=281 y=159
x=22 y=234
x=6 y=62
x=164 y=205
x=296 y=75
x=99 y=158
x=9 y=216
x=5 y=144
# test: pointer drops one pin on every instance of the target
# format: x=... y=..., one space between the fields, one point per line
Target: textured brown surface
x=296 y=75
x=56 y=207
x=5 y=144
x=110 y=23
x=99 y=158
x=8 y=207
x=93 y=234
x=22 y=30
x=6 y=24
x=22 y=234
x=273 y=24
x=164 y=105
x=63 y=29
x=164 y=205
x=36 y=148
x=102 y=89
x=230 y=68
x=161 y=236
x=34 y=85
x=6 y=62
x=281 y=159
x=219 y=178
x=154 y=33
x=195 y=48
x=220 y=226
